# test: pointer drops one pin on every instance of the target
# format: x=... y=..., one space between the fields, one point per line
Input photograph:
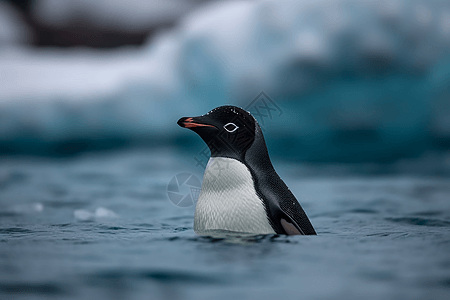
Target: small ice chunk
x=38 y=207
x=102 y=212
x=83 y=215
x=28 y=208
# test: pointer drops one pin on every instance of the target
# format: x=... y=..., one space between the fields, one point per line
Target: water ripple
x=32 y=288
x=15 y=230
x=163 y=276
x=420 y=221
x=235 y=238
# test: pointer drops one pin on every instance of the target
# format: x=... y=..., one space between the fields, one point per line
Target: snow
x=45 y=75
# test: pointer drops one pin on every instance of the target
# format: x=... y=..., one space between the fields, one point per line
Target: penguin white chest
x=228 y=200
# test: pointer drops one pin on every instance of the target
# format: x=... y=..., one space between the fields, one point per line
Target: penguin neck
x=220 y=148
x=257 y=157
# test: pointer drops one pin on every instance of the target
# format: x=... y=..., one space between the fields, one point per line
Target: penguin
x=241 y=191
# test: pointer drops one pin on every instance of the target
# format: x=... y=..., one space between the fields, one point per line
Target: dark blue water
x=100 y=226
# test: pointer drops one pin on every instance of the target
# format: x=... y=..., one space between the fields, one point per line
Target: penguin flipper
x=287 y=215
x=293 y=219
x=290 y=227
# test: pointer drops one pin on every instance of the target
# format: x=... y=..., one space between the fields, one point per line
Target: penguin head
x=227 y=130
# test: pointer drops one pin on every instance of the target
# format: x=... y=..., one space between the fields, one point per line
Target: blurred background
x=353 y=97
x=354 y=81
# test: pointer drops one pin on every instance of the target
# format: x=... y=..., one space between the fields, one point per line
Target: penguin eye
x=230 y=127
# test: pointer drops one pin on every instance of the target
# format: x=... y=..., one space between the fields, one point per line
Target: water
x=100 y=226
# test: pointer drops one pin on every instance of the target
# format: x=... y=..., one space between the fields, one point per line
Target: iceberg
x=352 y=80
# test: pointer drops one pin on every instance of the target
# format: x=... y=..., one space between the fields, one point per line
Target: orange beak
x=191 y=123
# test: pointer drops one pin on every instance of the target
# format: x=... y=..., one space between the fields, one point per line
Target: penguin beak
x=192 y=122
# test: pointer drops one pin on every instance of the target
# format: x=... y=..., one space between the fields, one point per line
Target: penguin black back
x=281 y=204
